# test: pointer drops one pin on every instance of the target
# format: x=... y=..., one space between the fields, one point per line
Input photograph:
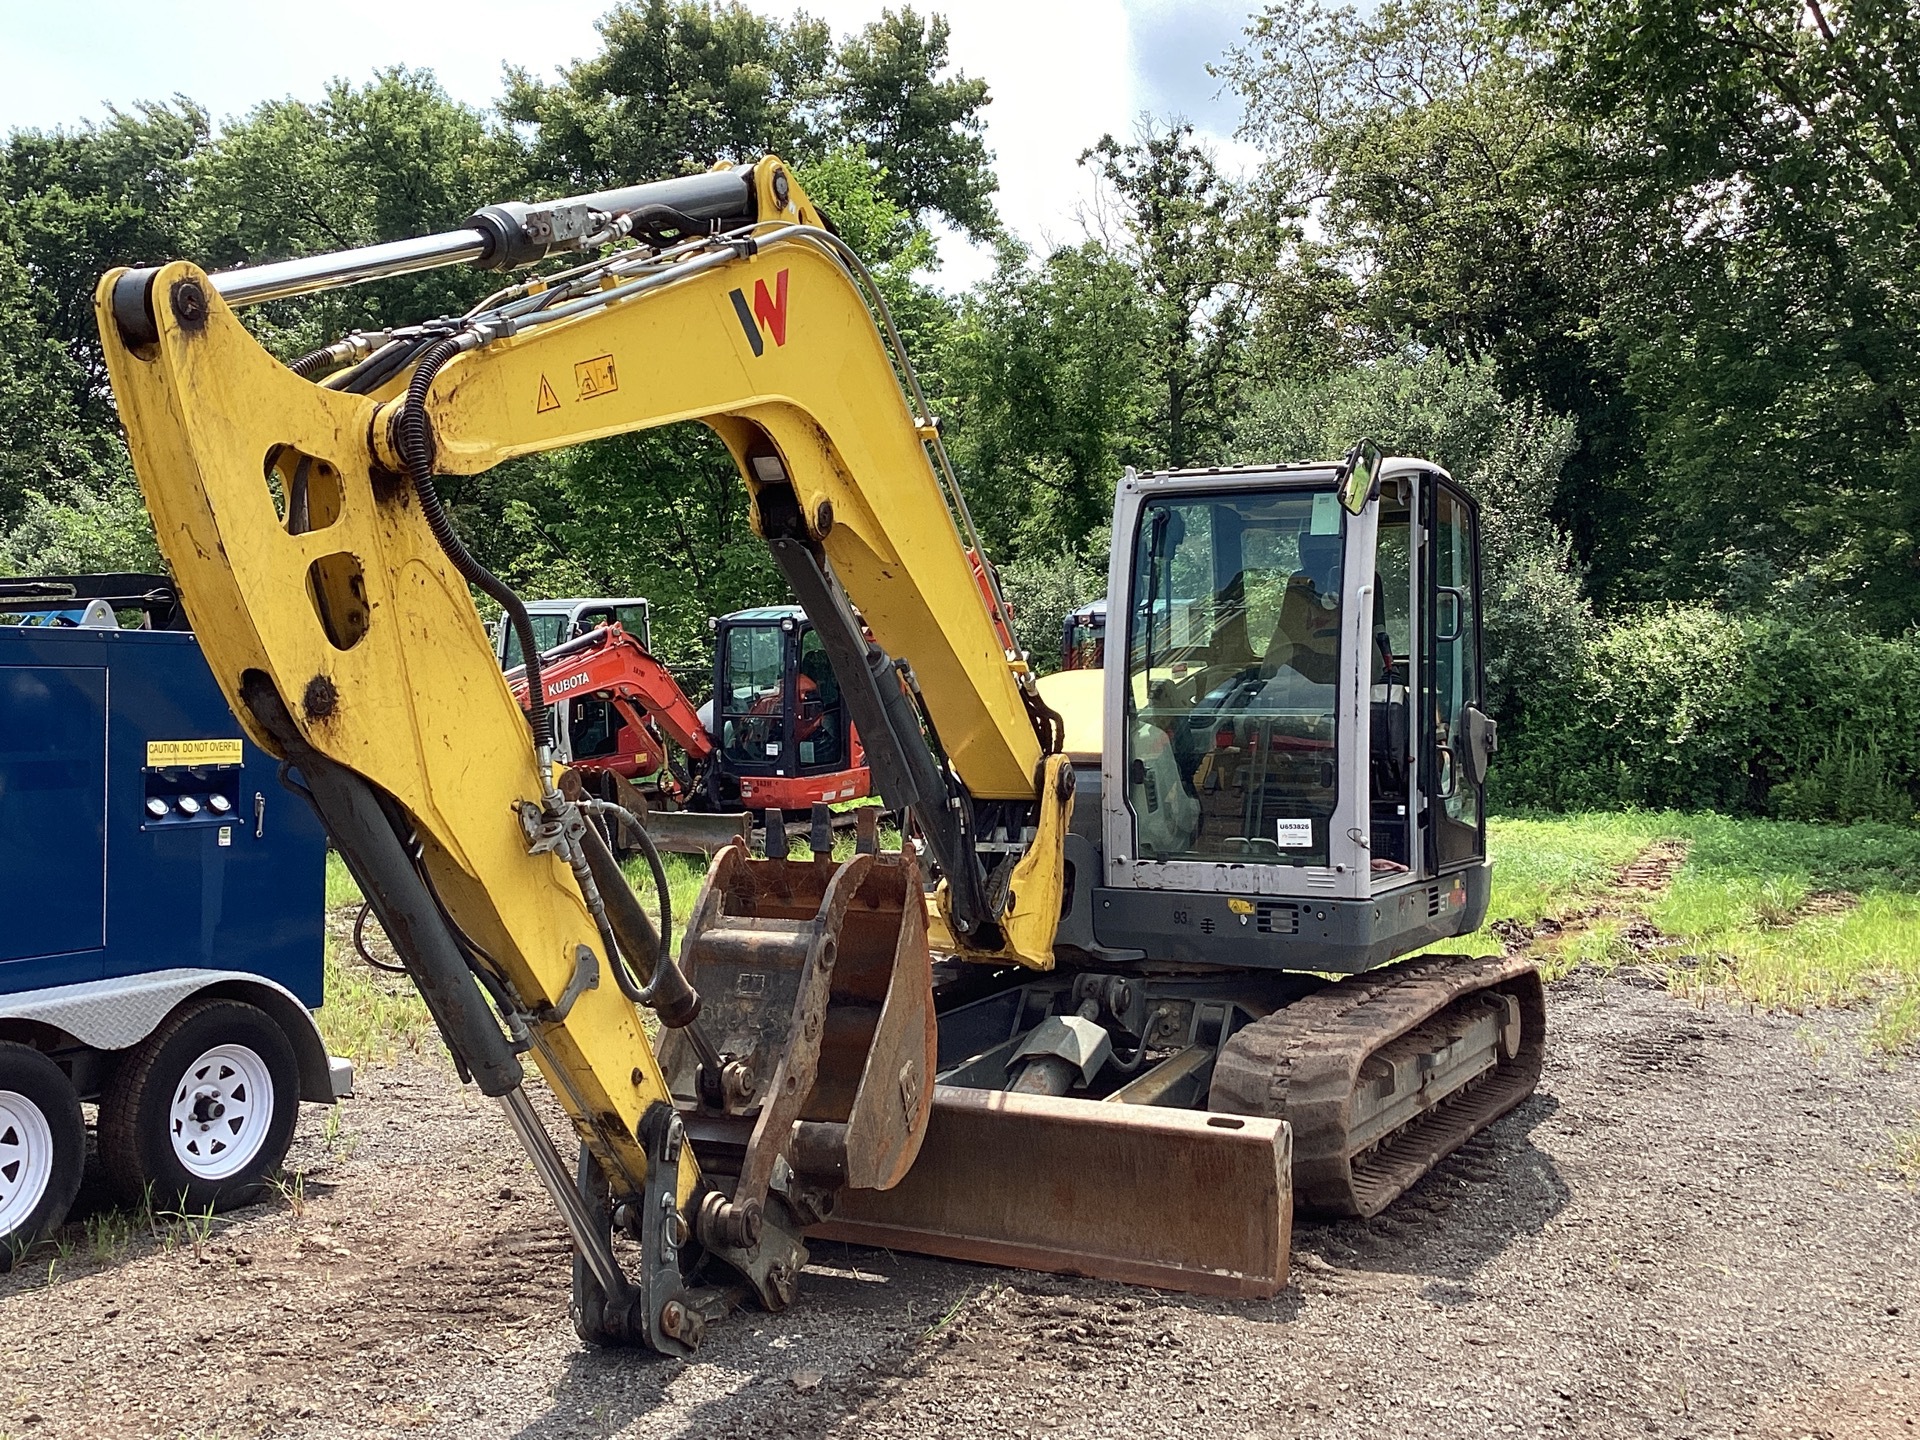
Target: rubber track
x=1301 y=1063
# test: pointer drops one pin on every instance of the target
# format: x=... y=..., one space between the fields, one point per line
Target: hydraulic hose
x=314 y=362
x=416 y=450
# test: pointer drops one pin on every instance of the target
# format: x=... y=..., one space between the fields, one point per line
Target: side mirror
x=1480 y=736
x=1360 y=476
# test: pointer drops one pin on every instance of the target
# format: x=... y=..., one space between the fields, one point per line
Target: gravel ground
x=1695 y=1229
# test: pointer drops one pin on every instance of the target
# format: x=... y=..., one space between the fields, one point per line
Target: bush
x=78 y=529
x=1691 y=708
x=1044 y=590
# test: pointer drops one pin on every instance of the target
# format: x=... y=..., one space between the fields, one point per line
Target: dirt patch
x=1651 y=871
x=1869 y=1407
x=1695 y=1229
x=1826 y=902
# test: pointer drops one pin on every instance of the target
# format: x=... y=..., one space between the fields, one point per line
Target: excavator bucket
x=1174 y=1199
x=817 y=986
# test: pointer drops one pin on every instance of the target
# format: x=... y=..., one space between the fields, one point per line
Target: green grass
x=1551 y=866
x=370 y=1015
x=341 y=889
x=1736 y=906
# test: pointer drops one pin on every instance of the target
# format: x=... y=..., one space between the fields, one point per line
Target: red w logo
x=768 y=313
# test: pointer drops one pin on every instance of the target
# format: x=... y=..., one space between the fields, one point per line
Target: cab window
x=749 y=703
x=1233 y=663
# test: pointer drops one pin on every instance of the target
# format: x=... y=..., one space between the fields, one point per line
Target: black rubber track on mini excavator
x=1301 y=1064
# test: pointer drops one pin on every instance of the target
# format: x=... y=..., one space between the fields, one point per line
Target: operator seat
x=1306 y=633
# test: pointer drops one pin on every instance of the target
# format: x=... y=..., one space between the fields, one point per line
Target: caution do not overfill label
x=192 y=752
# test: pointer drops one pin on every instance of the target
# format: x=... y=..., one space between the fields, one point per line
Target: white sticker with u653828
x=1293 y=834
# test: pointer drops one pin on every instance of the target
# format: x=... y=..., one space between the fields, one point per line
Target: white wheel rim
x=222 y=1108
x=26 y=1159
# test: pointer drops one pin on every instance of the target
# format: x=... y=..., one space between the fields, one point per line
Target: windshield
x=752 y=729
x=1233 y=657
x=548 y=631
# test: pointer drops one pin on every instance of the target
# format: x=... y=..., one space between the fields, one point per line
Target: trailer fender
x=120 y=1012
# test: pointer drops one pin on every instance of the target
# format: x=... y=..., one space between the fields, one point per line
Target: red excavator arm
x=611 y=662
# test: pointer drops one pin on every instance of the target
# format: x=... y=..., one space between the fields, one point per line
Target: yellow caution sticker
x=595 y=377
x=162 y=753
x=548 y=400
x=1239 y=906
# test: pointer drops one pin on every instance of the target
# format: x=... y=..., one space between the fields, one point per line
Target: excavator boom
x=611 y=662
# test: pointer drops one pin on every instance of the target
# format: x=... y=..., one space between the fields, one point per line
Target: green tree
x=42 y=388
x=680 y=85
x=393 y=158
x=1046 y=377
x=1758 y=163
x=922 y=127
x=1447 y=175
x=84 y=200
x=1200 y=246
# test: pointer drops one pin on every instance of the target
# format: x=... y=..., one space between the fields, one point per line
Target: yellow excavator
x=1133 y=979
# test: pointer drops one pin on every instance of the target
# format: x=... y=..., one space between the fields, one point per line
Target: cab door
x=1458 y=734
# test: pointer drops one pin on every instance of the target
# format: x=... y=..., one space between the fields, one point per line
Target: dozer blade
x=696 y=832
x=1175 y=1199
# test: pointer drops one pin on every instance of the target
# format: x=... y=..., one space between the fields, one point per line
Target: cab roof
x=568 y=606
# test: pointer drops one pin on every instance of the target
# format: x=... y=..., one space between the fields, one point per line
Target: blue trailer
x=161 y=905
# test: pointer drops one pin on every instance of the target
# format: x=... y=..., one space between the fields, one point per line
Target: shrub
x=1691 y=708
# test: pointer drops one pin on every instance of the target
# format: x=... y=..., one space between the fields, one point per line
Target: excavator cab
x=1083 y=641
x=1300 y=701
x=783 y=739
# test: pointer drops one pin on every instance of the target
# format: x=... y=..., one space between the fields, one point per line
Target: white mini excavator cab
x=1294 y=747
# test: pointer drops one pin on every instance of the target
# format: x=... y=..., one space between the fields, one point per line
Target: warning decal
x=192 y=752
x=548 y=400
x=595 y=377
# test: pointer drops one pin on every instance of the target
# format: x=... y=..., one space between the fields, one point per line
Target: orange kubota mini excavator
x=774 y=737
x=1145 y=882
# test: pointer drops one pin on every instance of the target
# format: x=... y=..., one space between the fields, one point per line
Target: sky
x=1061 y=72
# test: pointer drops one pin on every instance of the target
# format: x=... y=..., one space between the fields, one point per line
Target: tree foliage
x=1642 y=273
x=681 y=84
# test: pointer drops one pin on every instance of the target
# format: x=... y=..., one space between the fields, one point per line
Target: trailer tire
x=43 y=1149
x=200 y=1113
